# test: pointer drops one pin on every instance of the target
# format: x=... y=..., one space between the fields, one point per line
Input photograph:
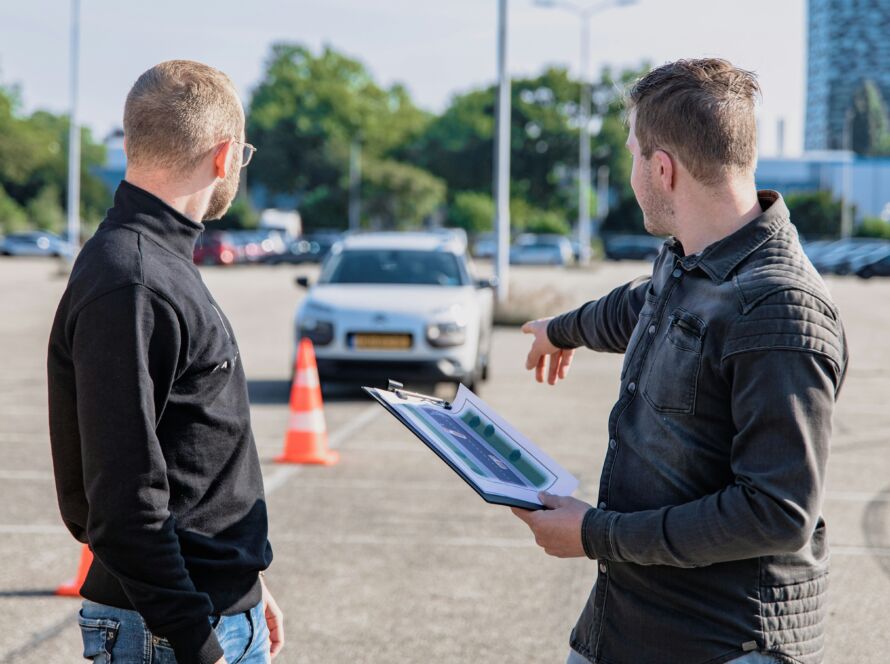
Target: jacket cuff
x=596 y=534
x=195 y=644
x=553 y=331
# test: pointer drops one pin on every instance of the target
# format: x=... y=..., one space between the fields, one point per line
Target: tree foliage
x=816 y=214
x=34 y=169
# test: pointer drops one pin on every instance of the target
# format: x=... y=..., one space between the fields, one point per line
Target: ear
x=221 y=162
x=664 y=169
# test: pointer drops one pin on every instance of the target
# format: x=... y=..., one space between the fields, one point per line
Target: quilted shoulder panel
x=784 y=304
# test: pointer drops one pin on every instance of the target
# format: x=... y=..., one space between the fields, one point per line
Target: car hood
x=396 y=298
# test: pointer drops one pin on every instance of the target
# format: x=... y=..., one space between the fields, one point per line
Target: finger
x=532 y=358
x=528 y=327
x=554 y=367
x=539 y=369
x=550 y=501
x=565 y=361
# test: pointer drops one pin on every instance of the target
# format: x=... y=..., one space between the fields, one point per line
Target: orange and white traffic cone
x=306 y=440
x=72 y=588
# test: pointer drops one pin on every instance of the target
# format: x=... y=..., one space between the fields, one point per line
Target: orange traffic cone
x=72 y=588
x=306 y=440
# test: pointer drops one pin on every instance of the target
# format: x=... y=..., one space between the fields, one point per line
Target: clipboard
x=483 y=449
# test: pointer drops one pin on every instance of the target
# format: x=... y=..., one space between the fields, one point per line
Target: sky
x=435 y=48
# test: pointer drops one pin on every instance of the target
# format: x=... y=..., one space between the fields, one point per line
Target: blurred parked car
x=215 y=248
x=307 y=249
x=632 y=247
x=879 y=268
x=543 y=249
x=864 y=255
x=837 y=253
x=35 y=243
x=401 y=306
x=485 y=246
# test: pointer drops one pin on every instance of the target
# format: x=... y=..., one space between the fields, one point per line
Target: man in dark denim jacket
x=708 y=532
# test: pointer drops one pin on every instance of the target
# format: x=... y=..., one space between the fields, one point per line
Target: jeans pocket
x=99 y=635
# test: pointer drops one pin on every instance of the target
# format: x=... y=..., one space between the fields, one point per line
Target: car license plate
x=381 y=341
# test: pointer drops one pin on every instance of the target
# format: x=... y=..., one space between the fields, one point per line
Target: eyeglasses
x=247 y=152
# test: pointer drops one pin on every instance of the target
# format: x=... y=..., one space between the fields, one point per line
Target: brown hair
x=700 y=111
x=177 y=112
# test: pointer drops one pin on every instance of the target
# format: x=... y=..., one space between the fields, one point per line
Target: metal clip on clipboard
x=399 y=390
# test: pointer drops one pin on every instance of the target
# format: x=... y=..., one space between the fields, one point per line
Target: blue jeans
x=121 y=636
x=750 y=658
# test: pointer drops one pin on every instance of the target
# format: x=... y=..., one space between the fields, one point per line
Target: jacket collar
x=143 y=212
x=719 y=259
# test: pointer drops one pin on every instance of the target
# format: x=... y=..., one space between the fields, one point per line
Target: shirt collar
x=145 y=213
x=719 y=259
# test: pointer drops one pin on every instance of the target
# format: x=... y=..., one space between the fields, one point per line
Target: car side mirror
x=489 y=282
x=302 y=282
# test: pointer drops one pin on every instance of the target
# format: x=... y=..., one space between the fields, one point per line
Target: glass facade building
x=848 y=43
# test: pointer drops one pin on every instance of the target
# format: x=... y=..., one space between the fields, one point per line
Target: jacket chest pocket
x=672 y=378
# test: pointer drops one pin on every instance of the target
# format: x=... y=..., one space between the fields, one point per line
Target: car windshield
x=393 y=266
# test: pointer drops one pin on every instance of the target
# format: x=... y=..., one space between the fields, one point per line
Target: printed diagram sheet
x=501 y=464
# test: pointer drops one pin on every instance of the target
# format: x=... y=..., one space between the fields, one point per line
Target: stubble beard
x=658 y=214
x=223 y=194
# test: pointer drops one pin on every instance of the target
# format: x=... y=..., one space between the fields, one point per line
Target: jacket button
x=613 y=443
x=603 y=568
x=651 y=329
x=632 y=387
x=602 y=506
x=678 y=273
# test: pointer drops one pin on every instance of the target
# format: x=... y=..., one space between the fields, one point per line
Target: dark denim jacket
x=708 y=528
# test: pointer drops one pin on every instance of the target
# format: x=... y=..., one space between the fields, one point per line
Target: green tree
x=34 y=157
x=873 y=227
x=869 y=122
x=399 y=196
x=12 y=218
x=457 y=146
x=815 y=213
x=471 y=210
x=45 y=210
x=304 y=115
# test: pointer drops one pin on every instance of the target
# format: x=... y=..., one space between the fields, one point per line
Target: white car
x=400 y=305
x=546 y=249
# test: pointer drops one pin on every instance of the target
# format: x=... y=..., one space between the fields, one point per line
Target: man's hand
x=560 y=359
x=274 y=620
x=221 y=660
x=557 y=528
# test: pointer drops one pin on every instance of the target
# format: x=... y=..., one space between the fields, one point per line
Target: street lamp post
x=502 y=162
x=74 y=136
x=584 y=14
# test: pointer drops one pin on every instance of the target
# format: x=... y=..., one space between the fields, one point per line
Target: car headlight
x=319 y=332
x=448 y=327
x=446 y=334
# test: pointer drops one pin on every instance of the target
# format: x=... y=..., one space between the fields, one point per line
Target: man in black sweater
x=155 y=463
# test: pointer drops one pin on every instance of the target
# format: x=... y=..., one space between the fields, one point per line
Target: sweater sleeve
x=604 y=324
x=125 y=349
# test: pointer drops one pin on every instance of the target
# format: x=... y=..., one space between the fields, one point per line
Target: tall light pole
x=74 y=136
x=502 y=162
x=584 y=13
x=355 y=183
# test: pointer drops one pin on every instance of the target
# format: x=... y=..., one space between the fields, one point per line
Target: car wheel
x=866 y=272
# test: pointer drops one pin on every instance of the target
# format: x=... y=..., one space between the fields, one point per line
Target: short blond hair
x=177 y=112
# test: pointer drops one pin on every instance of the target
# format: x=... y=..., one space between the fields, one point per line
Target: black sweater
x=155 y=463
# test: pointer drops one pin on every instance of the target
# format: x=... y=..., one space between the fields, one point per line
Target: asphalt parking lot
x=387 y=557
